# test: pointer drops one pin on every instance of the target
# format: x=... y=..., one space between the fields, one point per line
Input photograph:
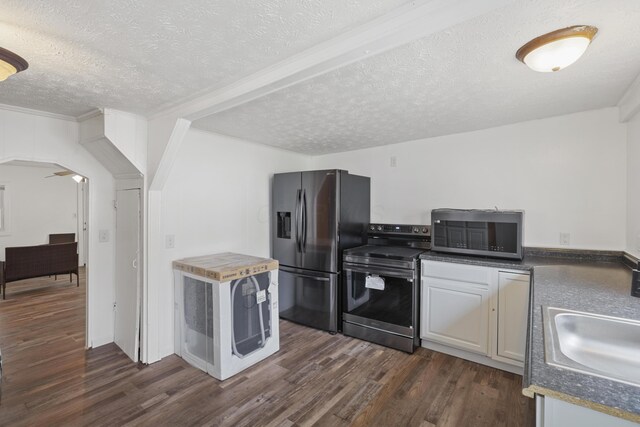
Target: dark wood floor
x=315 y=379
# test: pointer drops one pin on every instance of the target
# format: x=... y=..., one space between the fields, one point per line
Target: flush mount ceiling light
x=558 y=49
x=10 y=63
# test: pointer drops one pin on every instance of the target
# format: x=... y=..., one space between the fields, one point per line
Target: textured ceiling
x=140 y=55
x=462 y=79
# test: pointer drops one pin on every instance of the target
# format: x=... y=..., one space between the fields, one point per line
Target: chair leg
x=55 y=277
x=78 y=280
x=70 y=277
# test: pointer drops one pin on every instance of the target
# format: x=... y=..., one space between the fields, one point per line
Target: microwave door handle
x=304 y=221
x=298 y=220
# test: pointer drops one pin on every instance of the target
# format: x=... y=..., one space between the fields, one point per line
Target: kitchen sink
x=604 y=346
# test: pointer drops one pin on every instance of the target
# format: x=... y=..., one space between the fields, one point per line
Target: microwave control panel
x=400 y=229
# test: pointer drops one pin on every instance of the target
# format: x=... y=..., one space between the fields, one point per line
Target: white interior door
x=127 y=301
x=82 y=223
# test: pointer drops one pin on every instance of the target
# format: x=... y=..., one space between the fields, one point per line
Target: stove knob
x=416 y=230
x=424 y=229
x=379 y=228
x=372 y=227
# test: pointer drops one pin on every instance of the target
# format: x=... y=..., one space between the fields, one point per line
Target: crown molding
x=33 y=112
x=89 y=115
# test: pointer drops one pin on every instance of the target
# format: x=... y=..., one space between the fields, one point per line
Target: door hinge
x=115 y=204
x=114 y=306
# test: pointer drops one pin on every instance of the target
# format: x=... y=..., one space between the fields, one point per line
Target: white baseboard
x=99 y=342
x=473 y=357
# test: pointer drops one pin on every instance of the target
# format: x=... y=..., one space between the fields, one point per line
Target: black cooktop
x=391 y=252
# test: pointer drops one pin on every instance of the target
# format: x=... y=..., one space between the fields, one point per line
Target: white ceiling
x=461 y=79
x=142 y=56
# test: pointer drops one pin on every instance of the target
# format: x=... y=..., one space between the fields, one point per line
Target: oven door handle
x=408 y=276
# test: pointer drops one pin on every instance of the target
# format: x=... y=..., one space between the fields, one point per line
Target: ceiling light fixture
x=558 y=49
x=10 y=63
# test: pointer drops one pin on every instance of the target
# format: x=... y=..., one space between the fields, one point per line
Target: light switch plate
x=565 y=239
x=103 y=236
x=170 y=241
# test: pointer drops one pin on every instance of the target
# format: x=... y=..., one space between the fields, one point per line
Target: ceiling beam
x=629 y=104
x=403 y=25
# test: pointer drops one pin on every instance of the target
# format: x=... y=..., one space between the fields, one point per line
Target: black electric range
x=381 y=285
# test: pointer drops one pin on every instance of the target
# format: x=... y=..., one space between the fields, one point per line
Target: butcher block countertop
x=225 y=266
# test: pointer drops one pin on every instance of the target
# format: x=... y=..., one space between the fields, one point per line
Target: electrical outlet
x=393 y=161
x=103 y=236
x=170 y=241
x=565 y=239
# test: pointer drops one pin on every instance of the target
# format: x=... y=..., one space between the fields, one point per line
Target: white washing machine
x=224 y=326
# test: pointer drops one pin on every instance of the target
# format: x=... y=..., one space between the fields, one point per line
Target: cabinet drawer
x=456 y=272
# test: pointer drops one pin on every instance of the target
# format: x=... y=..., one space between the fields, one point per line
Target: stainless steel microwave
x=490 y=233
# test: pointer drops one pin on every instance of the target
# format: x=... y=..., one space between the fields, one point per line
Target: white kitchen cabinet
x=513 y=303
x=552 y=412
x=455 y=301
x=477 y=313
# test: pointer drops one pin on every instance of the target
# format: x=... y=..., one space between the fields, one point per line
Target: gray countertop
x=595 y=282
x=533 y=257
x=601 y=288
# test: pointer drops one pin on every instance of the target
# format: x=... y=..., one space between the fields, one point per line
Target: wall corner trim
x=161 y=174
x=629 y=104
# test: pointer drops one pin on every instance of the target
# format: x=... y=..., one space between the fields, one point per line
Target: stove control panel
x=402 y=229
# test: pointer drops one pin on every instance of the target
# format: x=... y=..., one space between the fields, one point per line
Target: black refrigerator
x=316 y=215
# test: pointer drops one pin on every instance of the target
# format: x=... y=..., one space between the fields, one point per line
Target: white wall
x=217 y=199
x=633 y=186
x=40 y=138
x=128 y=132
x=118 y=140
x=568 y=173
x=39 y=206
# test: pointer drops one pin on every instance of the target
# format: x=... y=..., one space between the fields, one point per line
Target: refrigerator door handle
x=304 y=221
x=298 y=220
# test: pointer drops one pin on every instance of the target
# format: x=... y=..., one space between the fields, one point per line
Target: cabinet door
x=455 y=314
x=513 y=304
x=552 y=412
